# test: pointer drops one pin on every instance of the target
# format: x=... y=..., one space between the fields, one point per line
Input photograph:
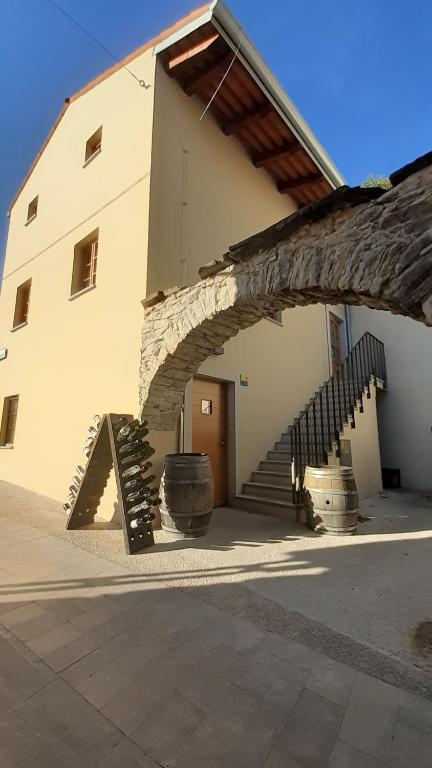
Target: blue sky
x=360 y=72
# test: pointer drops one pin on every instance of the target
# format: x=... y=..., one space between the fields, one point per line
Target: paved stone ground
x=111 y=662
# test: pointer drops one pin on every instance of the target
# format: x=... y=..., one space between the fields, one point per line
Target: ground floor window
x=10 y=410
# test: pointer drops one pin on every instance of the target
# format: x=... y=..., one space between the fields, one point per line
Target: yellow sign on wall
x=244 y=380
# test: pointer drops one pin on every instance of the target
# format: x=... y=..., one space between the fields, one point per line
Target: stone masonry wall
x=357 y=246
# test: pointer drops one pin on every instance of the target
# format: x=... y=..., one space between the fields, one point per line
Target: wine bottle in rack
x=138 y=482
x=125 y=431
x=80 y=470
x=143 y=520
x=138 y=433
x=142 y=492
x=130 y=447
x=119 y=421
x=134 y=458
x=131 y=471
x=143 y=506
x=67 y=508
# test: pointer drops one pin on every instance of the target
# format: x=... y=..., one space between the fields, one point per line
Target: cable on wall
x=74 y=21
x=185 y=160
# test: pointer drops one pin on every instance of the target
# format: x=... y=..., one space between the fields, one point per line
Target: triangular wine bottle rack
x=102 y=458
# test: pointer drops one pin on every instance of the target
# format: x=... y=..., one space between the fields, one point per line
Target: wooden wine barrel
x=186 y=493
x=331 y=500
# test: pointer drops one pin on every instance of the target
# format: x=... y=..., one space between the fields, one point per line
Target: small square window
x=85 y=263
x=93 y=145
x=206 y=407
x=9 y=417
x=22 y=303
x=32 y=210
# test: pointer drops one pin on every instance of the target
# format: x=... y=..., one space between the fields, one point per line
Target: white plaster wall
x=405 y=408
x=365 y=449
x=78 y=358
x=228 y=200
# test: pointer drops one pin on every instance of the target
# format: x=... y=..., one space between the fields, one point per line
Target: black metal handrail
x=315 y=433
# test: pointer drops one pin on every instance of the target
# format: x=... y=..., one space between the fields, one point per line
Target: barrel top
x=186 y=458
x=329 y=470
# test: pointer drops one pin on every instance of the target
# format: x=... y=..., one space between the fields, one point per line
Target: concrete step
x=280 y=448
x=272 y=465
x=263 y=506
x=279 y=455
x=272 y=478
x=267 y=491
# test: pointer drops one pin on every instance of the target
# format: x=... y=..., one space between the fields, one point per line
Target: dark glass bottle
x=143 y=520
x=136 y=469
x=134 y=458
x=123 y=433
x=120 y=421
x=130 y=447
x=143 y=492
x=138 y=482
x=138 y=433
x=143 y=506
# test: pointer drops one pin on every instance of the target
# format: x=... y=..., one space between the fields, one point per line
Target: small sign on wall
x=3 y=353
x=244 y=380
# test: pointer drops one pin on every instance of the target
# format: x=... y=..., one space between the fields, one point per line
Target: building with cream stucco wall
x=133 y=192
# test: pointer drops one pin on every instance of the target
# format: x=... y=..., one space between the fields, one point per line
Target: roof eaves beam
x=191 y=52
x=248 y=118
x=203 y=78
x=302 y=181
x=278 y=153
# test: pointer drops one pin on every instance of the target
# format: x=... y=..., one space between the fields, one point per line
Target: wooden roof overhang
x=199 y=63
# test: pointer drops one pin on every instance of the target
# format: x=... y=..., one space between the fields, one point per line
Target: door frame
x=232 y=383
x=339 y=311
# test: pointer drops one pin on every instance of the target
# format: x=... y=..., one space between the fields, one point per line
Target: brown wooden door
x=209 y=431
x=335 y=343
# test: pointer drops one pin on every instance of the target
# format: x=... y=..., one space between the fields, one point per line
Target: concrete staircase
x=314 y=435
x=269 y=490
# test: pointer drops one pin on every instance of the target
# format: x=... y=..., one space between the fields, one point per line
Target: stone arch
x=357 y=246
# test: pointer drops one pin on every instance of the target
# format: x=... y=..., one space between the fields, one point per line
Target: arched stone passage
x=357 y=246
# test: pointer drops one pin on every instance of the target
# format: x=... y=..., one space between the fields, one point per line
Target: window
x=276 y=317
x=32 y=210
x=93 y=145
x=10 y=410
x=85 y=263
x=22 y=302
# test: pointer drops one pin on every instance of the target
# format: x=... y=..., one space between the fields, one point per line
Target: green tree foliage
x=377 y=181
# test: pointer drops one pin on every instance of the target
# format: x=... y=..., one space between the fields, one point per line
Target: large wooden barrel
x=331 y=500
x=186 y=493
